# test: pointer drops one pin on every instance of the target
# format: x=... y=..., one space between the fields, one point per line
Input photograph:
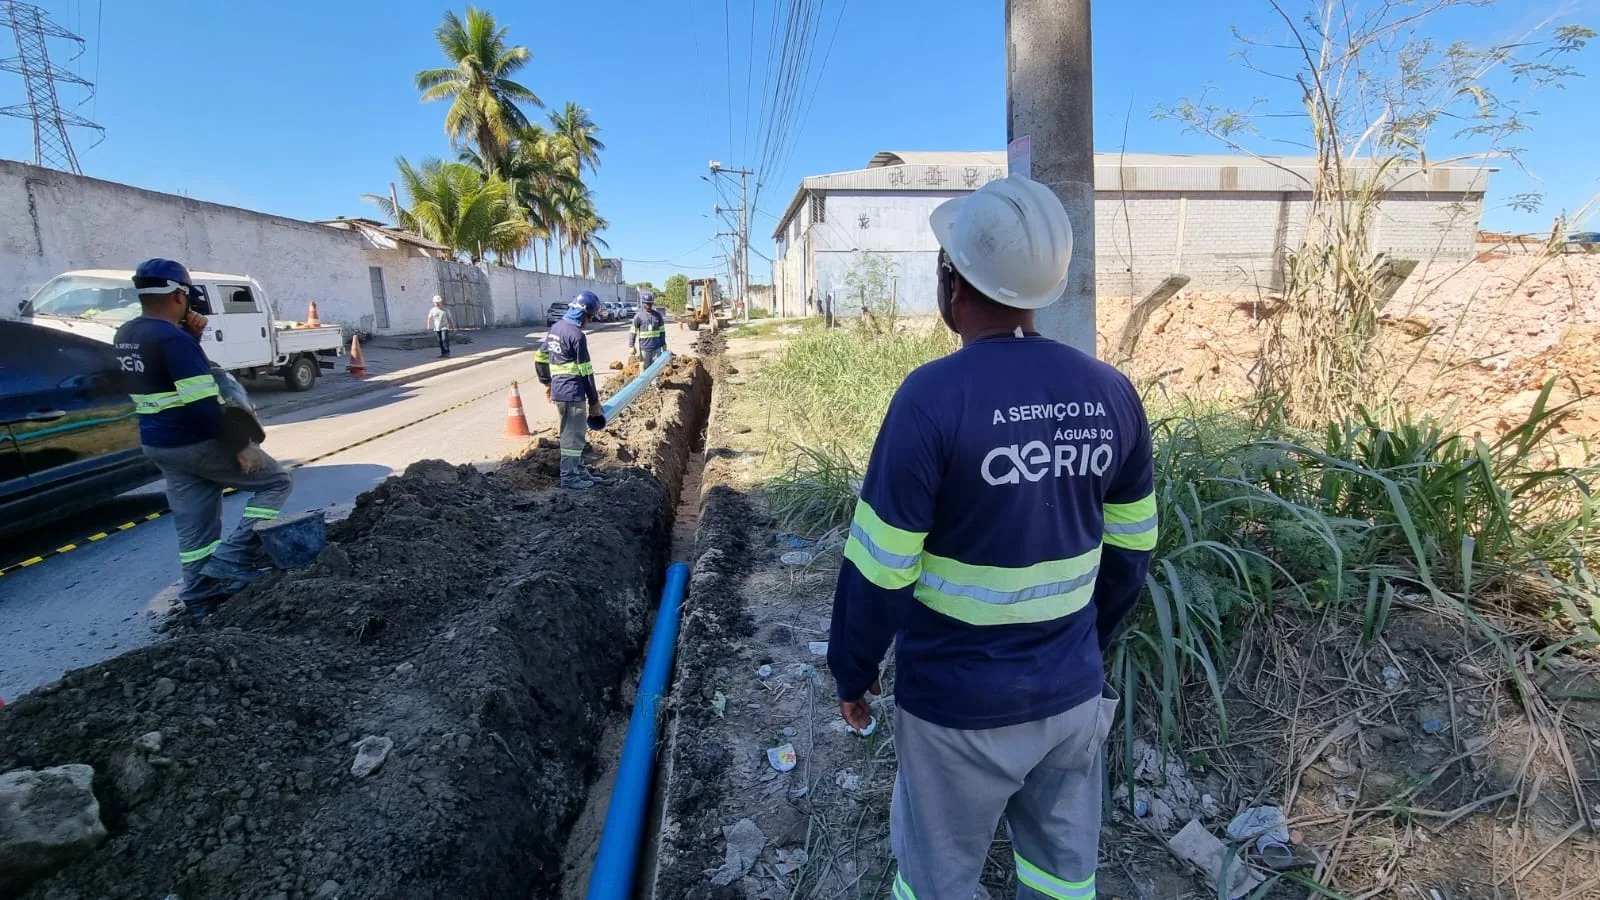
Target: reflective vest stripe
x=901 y=890
x=1051 y=886
x=199 y=553
x=188 y=390
x=659 y=332
x=887 y=556
x=541 y=356
x=197 y=387
x=148 y=404
x=1133 y=526
x=573 y=369
x=996 y=595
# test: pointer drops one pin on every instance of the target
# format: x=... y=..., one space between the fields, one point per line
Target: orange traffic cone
x=358 y=364
x=311 y=316
x=516 y=422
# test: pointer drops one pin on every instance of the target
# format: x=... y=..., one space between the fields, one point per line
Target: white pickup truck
x=240 y=335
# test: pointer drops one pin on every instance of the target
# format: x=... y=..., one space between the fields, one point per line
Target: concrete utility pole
x=1050 y=132
x=739 y=261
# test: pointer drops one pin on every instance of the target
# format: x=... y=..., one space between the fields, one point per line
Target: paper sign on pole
x=1019 y=156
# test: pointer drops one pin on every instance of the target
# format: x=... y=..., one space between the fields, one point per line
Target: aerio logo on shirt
x=1034 y=460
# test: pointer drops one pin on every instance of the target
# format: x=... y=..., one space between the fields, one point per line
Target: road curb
x=378 y=384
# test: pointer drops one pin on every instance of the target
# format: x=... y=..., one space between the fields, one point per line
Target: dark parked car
x=555 y=312
x=69 y=438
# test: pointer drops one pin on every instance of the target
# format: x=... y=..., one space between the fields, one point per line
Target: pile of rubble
x=1476 y=339
x=416 y=714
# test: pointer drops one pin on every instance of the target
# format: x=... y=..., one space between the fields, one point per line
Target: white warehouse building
x=1228 y=222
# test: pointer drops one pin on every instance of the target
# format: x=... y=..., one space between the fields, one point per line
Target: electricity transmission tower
x=32 y=28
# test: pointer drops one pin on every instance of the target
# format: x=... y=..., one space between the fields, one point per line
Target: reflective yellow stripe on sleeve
x=149 y=404
x=998 y=595
x=541 y=356
x=1133 y=526
x=889 y=557
x=198 y=387
x=574 y=369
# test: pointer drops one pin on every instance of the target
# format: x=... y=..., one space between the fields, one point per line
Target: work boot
x=594 y=476
x=232 y=578
x=576 y=483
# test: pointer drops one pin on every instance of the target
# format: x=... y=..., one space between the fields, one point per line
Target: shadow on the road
x=343 y=406
x=317 y=486
x=133 y=506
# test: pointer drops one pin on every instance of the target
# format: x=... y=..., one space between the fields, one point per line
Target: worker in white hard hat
x=1004 y=530
x=442 y=323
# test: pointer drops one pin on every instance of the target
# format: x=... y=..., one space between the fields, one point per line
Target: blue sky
x=298 y=108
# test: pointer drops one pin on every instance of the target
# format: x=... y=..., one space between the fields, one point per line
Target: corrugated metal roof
x=937 y=158
x=382 y=235
x=1115 y=172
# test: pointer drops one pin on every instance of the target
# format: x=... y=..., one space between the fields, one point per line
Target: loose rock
x=48 y=818
x=371 y=751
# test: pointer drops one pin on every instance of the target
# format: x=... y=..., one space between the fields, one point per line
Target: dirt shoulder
x=1426 y=763
x=457 y=617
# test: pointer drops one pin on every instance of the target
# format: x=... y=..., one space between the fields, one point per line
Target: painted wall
x=1223 y=240
x=522 y=297
x=53 y=222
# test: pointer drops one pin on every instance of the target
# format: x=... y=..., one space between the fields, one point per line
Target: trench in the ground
x=583 y=841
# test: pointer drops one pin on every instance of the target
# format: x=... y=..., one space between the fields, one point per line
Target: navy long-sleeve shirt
x=1004 y=530
x=649 y=330
x=562 y=362
x=170 y=381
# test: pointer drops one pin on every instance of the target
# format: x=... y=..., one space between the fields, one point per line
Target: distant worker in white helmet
x=1004 y=530
x=442 y=323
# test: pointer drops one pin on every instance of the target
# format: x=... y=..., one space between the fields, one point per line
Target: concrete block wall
x=1224 y=240
x=522 y=297
x=53 y=222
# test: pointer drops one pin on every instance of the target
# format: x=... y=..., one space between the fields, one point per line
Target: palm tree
x=483 y=96
x=454 y=204
x=575 y=125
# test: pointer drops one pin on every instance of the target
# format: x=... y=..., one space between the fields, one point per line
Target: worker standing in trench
x=183 y=430
x=1004 y=530
x=647 y=336
x=564 y=368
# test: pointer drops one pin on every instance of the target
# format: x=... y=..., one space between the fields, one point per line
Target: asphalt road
x=106 y=597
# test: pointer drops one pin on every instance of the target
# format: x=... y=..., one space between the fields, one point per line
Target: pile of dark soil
x=480 y=622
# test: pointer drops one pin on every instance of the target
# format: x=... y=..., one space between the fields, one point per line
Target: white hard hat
x=437 y=298
x=1010 y=239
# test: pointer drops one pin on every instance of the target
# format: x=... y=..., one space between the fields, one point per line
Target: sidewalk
x=387 y=366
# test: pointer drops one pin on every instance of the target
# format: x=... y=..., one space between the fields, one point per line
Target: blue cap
x=587 y=301
x=647 y=298
x=165 y=274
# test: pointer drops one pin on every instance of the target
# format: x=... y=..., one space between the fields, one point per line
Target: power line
x=727 y=66
x=99 y=18
x=32 y=30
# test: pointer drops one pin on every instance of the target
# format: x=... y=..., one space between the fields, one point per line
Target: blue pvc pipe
x=615 y=863
x=622 y=398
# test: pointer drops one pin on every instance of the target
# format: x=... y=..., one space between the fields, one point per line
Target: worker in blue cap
x=182 y=429
x=564 y=368
x=647 y=336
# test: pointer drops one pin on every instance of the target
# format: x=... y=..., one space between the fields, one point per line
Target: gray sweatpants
x=646 y=357
x=196 y=475
x=953 y=787
x=574 y=437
